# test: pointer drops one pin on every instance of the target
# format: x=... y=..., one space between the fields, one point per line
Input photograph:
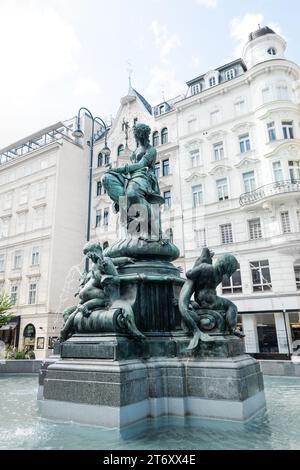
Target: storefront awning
x=9 y=326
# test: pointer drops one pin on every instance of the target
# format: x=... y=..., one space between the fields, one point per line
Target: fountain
x=142 y=341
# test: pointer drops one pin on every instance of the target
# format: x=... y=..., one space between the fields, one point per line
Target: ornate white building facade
x=229 y=170
x=228 y=163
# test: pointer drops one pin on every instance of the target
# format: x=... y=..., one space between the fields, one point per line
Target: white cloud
x=86 y=86
x=242 y=26
x=163 y=80
x=207 y=3
x=164 y=40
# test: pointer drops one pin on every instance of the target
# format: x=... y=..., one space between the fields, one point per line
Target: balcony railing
x=272 y=189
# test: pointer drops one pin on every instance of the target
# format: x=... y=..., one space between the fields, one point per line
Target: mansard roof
x=260 y=32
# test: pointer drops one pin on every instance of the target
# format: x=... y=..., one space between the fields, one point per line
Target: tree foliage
x=5 y=306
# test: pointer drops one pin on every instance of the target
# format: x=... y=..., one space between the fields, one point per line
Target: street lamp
x=79 y=134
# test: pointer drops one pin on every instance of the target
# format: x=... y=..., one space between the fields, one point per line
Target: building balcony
x=279 y=190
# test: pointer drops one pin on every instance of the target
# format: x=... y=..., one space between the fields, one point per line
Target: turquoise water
x=277 y=428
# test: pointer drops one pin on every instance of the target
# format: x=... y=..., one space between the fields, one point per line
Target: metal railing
x=272 y=189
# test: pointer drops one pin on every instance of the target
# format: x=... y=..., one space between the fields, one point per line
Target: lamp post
x=78 y=133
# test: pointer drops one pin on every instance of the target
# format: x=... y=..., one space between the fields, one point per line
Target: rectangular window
x=98 y=218
x=23 y=195
x=282 y=92
x=285 y=222
x=212 y=81
x=161 y=109
x=7 y=201
x=218 y=151
x=271 y=131
x=233 y=284
x=99 y=188
x=39 y=217
x=32 y=293
x=4 y=226
x=18 y=259
x=2 y=263
x=222 y=189
x=41 y=190
x=35 y=256
x=244 y=143
x=287 y=129
x=297 y=276
x=157 y=170
x=21 y=222
x=254 y=229
x=226 y=234
x=166 y=167
x=239 y=107
x=197 y=195
x=261 y=277
x=196 y=89
x=195 y=158
x=105 y=216
x=215 y=117
x=249 y=181
x=294 y=170
x=200 y=237
x=229 y=74
x=277 y=171
x=14 y=294
x=167 y=198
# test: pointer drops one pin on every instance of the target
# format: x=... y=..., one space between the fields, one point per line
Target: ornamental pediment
x=195 y=176
x=242 y=126
x=246 y=162
x=289 y=150
x=193 y=144
x=217 y=135
x=219 y=170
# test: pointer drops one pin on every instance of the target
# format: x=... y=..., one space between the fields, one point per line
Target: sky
x=58 y=55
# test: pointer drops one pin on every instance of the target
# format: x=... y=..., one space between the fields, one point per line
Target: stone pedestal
x=107 y=381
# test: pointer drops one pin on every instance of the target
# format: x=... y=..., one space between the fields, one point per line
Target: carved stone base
x=117 y=393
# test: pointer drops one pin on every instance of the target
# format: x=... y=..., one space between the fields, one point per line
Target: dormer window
x=161 y=109
x=212 y=81
x=196 y=89
x=229 y=74
x=272 y=51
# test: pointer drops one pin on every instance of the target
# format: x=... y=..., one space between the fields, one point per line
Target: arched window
x=164 y=136
x=155 y=139
x=121 y=150
x=99 y=188
x=29 y=337
x=105 y=245
x=169 y=235
x=106 y=159
x=100 y=160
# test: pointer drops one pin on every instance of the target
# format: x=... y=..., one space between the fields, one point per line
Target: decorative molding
x=195 y=176
x=242 y=126
x=288 y=148
x=219 y=170
x=217 y=135
x=246 y=162
x=193 y=144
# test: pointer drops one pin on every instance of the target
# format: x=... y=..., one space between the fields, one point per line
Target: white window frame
x=200 y=237
x=229 y=74
x=14 y=290
x=221 y=194
x=245 y=143
x=271 y=130
x=233 y=288
x=249 y=181
x=195 y=89
x=195 y=157
x=285 y=222
x=2 y=262
x=226 y=233
x=32 y=293
x=18 y=259
x=276 y=171
x=297 y=275
x=197 y=194
x=261 y=286
x=218 y=151
x=288 y=129
x=294 y=170
x=35 y=256
x=255 y=229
